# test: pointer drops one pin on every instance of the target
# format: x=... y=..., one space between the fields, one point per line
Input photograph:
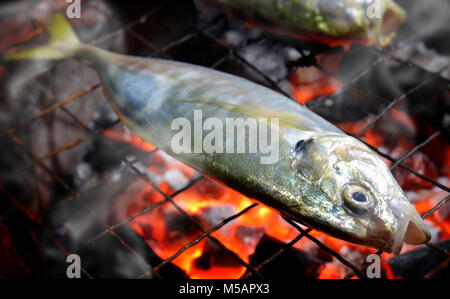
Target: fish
x=322 y=177
x=331 y=22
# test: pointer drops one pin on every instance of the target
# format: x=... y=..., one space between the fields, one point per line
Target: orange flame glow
x=167 y=231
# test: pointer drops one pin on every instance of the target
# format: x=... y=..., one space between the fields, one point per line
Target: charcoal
x=179 y=228
x=291 y=263
x=249 y=236
x=213 y=255
x=102 y=158
x=341 y=107
x=209 y=189
x=213 y=215
x=176 y=179
x=418 y=263
x=266 y=58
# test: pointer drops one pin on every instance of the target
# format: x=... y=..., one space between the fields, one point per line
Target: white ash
x=83 y=172
x=249 y=236
x=233 y=38
x=292 y=54
x=175 y=179
x=266 y=59
x=213 y=215
x=168 y=159
x=353 y=256
x=426 y=58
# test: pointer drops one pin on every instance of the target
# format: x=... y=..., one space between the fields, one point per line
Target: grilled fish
x=333 y=22
x=321 y=177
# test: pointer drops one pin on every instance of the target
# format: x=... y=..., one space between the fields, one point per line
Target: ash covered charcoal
x=420 y=52
x=108 y=258
x=104 y=154
x=176 y=179
x=414 y=60
x=266 y=58
x=391 y=80
x=274 y=59
x=429 y=48
x=99 y=158
x=418 y=263
x=179 y=228
x=103 y=117
x=352 y=102
x=382 y=84
x=261 y=55
x=266 y=53
x=73 y=224
x=82 y=226
x=426 y=58
x=291 y=263
x=340 y=108
x=248 y=236
x=213 y=215
x=430 y=22
x=29 y=88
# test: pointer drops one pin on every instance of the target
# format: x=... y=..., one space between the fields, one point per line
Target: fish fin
x=61 y=44
x=286 y=118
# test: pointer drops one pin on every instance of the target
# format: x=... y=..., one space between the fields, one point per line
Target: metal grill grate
x=169 y=198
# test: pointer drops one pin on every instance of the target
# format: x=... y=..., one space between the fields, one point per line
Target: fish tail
x=63 y=43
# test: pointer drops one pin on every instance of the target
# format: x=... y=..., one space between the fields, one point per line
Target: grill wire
x=357 y=270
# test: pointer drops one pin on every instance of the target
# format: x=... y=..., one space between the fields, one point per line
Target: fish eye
x=357 y=198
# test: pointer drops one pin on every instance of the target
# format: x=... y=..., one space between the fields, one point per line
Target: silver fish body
x=319 y=170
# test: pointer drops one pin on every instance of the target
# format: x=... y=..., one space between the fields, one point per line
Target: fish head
x=359 y=199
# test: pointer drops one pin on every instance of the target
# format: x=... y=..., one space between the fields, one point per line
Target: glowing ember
x=123 y=134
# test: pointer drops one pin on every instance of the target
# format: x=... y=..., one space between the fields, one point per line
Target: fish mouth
x=393 y=17
x=411 y=230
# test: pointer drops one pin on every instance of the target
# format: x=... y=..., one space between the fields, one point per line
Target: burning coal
x=122 y=185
